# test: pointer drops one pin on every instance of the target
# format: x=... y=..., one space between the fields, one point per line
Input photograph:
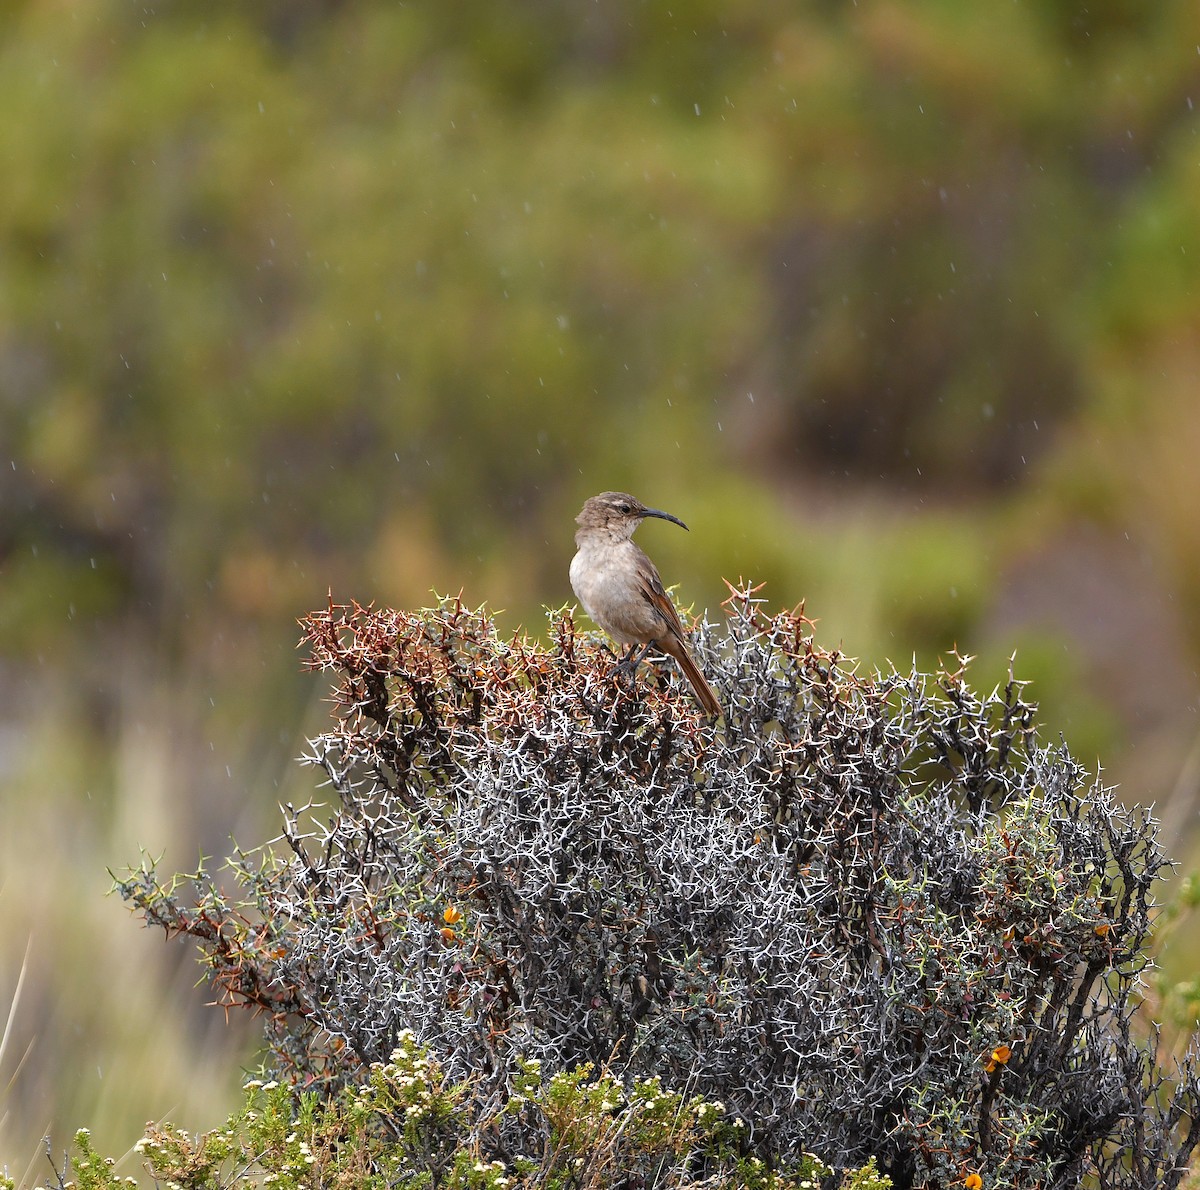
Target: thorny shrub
x=871 y=915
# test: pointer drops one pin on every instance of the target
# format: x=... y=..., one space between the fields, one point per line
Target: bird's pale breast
x=606 y=580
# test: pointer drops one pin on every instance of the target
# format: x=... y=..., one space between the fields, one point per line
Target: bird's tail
x=704 y=692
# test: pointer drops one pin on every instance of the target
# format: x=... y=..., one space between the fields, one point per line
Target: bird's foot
x=629 y=663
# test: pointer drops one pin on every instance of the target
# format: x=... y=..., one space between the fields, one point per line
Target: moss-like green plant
x=408 y=1128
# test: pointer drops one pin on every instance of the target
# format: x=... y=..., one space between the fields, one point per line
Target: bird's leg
x=633 y=658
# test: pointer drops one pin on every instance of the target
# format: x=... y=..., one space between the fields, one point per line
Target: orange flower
x=973 y=1181
x=1103 y=929
x=448 y=935
x=451 y=916
x=997 y=1057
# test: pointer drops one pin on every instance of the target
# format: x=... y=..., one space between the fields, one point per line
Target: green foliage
x=407 y=1128
x=349 y=242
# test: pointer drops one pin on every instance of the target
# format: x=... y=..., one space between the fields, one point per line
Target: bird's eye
x=624 y=508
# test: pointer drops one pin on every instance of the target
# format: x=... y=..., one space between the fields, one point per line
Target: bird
x=621 y=590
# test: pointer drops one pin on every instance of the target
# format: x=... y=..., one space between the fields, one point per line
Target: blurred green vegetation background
x=895 y=303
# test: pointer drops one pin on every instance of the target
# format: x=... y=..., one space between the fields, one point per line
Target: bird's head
x=618 y=514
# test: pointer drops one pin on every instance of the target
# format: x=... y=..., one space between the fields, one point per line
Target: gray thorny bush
x=872 y=915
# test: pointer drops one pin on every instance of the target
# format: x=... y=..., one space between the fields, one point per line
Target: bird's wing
x=671 y=638
x=656 y=595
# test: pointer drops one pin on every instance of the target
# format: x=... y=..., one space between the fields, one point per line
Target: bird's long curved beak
x=665 y=516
